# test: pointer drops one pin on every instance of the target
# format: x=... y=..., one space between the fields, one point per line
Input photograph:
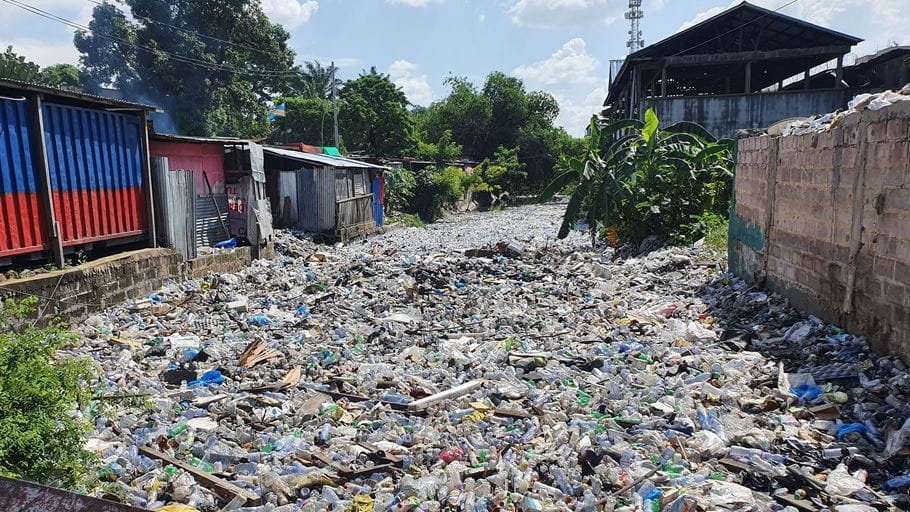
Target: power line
x=181 y=29
x=180 y=58
x=734 y=29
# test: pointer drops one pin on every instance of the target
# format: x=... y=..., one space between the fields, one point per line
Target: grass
x=408 y=219
x=716 y=238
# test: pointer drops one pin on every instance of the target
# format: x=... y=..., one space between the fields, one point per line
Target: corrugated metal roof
x=331 y=161
x=65 y=93
x=167 y=137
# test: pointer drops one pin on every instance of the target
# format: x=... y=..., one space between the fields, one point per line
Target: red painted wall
x=196 y=158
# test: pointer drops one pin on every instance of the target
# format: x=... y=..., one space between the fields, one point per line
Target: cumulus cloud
x=574 y=79
x=290 y=13
x=415 y=84
x=571 y=64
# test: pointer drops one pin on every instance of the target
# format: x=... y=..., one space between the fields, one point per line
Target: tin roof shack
x=74 y=172
x=727 y=73
x=323 y=194
x=195 y=211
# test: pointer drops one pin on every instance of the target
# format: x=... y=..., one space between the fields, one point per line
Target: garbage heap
x=523 y=375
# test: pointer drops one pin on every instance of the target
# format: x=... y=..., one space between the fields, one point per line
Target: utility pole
x=334 y=104
x=634 y=15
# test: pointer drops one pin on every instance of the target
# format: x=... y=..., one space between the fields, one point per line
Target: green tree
x=510 y=110
x=16 y=67
x=315 y=81
x=41 y=434
x=173 y=54
x=61 y=75
x=501 y=174
x=400 y=185
x=465 y=112
x=373 y=116
x=308 y=120
x=440 y=152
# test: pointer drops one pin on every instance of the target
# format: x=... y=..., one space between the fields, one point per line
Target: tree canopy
x=17 y=67
x=211 y=64
x=373 y=116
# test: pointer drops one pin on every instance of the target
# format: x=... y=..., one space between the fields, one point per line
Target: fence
x=354 y=211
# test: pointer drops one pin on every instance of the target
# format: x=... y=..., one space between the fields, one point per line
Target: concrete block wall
x=73 y=294
x=824 y=219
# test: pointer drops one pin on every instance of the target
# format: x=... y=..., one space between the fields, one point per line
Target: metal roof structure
x=702 y=56
x=167 y=137
x=311 y=158
x=102 y=101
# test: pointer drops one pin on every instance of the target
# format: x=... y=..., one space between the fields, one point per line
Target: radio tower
x=634 y=15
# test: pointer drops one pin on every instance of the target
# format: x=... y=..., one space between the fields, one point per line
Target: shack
x=730 y=72
x=74 y=173
x=208 y=190
x=324 y=194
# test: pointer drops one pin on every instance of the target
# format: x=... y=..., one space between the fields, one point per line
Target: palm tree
x=316 y=80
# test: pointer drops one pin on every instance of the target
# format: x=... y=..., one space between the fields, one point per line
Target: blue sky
x=560 y=46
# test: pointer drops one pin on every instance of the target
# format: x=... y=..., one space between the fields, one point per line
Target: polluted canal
x=481 y=365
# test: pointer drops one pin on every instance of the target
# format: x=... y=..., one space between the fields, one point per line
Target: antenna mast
x=634 y=15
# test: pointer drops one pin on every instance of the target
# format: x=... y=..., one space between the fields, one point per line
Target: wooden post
x=636 y=90
x=149 y=193
x=663 y=82
x=806 y=80
x=727 y=84
x=839 y=73
x=39 y=156
x=748 y=88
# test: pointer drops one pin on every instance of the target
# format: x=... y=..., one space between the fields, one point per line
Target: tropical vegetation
x=637 y=180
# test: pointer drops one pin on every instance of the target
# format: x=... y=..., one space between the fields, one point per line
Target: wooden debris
x=292 y=378
x=449 y=394
x=255 y=353
x=223 y=488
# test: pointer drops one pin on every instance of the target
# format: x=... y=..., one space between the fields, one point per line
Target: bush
x=41 y=431
x=437 y=188
x=399 y=188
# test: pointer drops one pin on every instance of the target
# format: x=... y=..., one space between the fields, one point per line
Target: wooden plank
x=449 y=394
x=743 y=57
x=224 y=488
x=39 y=158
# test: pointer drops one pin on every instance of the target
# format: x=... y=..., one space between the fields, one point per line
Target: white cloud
x=414 y=3
x=574 y=78
x=481 y=17
x=571 y=64
x=575 y=115
x=290 y=13
x=44 y=53
x=415 y=84
x=565 y=13
x=702 y=16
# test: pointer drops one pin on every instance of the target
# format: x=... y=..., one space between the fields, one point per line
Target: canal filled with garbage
x=479 y=364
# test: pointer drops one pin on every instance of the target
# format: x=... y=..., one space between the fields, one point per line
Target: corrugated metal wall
x=22 y=223
x=95 y=160
x=175 y=213
x=209 y=229
x=316 y=199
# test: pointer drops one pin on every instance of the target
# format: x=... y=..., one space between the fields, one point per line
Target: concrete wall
x=724 y=114
x=75 y=293
x=825 y=220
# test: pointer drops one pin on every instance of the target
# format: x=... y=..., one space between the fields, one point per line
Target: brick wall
x=75 y=293
x=825 y=219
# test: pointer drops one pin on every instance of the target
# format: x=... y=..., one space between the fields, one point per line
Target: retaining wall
x=75 y=293
x=824 y=219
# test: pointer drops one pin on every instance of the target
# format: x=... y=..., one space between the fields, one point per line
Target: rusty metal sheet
x=21 y=496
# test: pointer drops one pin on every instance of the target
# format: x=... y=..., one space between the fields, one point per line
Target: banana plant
x=641 y=177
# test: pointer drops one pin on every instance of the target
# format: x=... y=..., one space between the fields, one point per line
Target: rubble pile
x=860 y=103
x=515 y=373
